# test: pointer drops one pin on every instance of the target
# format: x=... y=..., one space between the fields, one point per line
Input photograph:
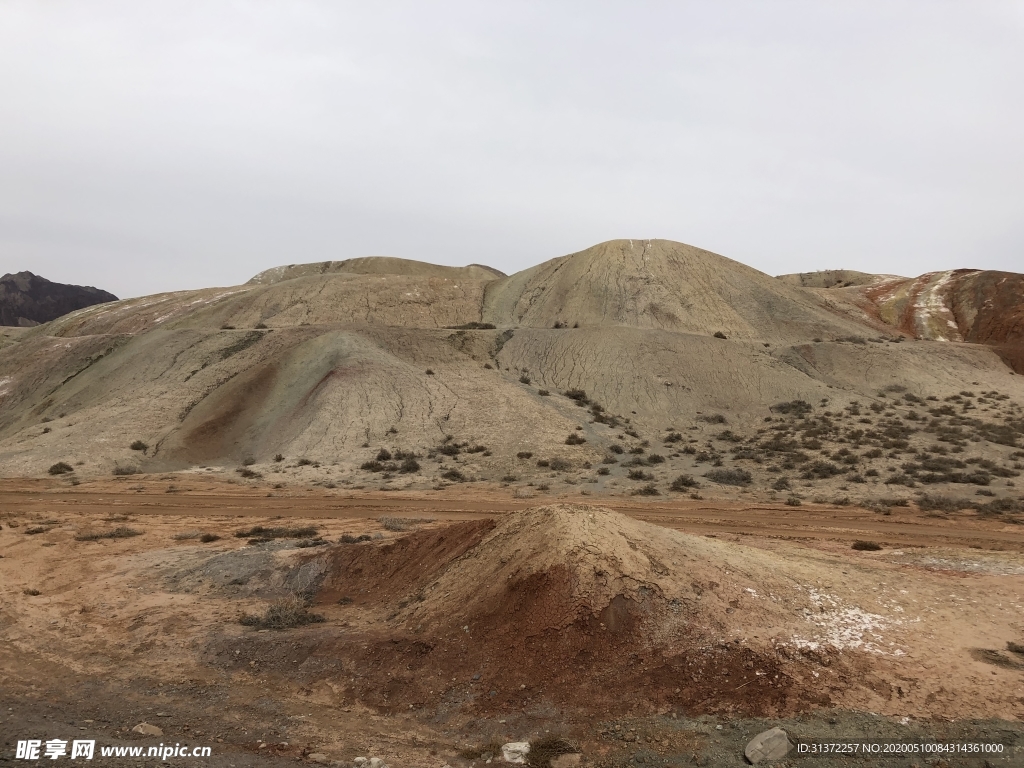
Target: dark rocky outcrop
x=27 y=299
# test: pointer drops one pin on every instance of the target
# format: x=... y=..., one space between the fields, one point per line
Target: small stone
x=376 y=762
x=147 y=730
x=515 y=751
x=772 y=744
x=318 y=757
x=570 y=760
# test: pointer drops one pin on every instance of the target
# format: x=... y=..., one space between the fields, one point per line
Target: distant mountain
x=27 y=299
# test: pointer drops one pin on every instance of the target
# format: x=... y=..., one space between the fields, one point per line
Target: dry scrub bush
x=60 y=468
x=866 y=546
x=121 y=532
x=260 y=533
x=283 y=614
x=729 y=476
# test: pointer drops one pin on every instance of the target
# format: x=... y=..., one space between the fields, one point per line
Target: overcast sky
x=152 y=146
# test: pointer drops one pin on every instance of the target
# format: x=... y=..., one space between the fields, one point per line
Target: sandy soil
x=146 y=628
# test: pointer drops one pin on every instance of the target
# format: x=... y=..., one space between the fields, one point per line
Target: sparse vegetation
x=866 y=546
x=683 y=483
x=121 y=532
x=574 y=439
x=648 y=490
x=60 y=468
x=138 y=445
x=454 y=475
x=524 y=455
x=259 y=533
x=283 y=614
x=729 y=476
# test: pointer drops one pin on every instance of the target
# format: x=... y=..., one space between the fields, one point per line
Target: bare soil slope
x=398 y=372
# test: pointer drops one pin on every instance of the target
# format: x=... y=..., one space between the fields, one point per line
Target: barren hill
x=27 y=299
x=401 y=374
x=977 y=306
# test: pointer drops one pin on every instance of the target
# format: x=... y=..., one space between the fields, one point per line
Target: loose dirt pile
x=584 y=609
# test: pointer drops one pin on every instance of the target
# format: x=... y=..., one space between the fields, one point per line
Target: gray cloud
x=158 y=146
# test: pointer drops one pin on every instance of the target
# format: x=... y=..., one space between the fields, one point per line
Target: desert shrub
x=579 y=395
x=283 y=614
x=472 y=326
x=560 y=465
x=729 y=476
x=262 y=533
x=672 y=437
x=488 y=366
x=609 y=460
x=636 y=450
x=397 y=524
x=60 y=468
x=866 y=546
x=125 y=469
x=509 y=478
x=138 y=445
x=655 y=458
x=714 y=418
x=303 y=462
x=121 y=532
x=689 y=450
x=615 y=448
x=524 y=379
x=999 y=506
x=543 y=463
x=372 y=466
x=543 y=392
x=383 y=455
x=683 y=482
x=782 y=484
x=928 y=503
x=639 y=474
x=186 y=535
x=900 y=478
x=821 y=470
x=524 y=455
x=793 y=501
x=279 y=457
x=429 y=371
x=206 y=538
x=450 y=448
x=719 y=335
x=248 y=474
x=347 y=538
x=36 y=529
x=795 y=407
x=409 y=465
x=476 y=449
x=648 y=490
x=603 y=471
x=574 y=439
x=454 y=475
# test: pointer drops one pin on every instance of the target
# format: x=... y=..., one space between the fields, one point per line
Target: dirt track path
x=905 y=526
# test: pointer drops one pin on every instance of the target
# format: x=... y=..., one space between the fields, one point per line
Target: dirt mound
x=660 y=284
x=831 y=278
x=376 y=265
x=569 y=605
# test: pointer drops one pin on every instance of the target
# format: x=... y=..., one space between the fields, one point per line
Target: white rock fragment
x=769 y=745
x=515 y=751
